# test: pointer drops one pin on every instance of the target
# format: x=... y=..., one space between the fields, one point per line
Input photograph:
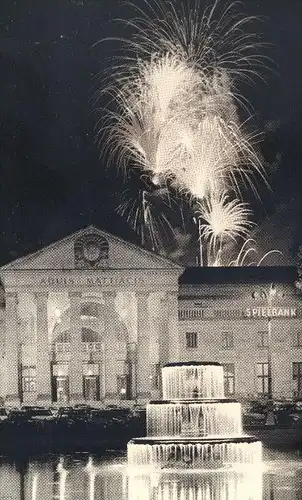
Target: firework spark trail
x=244 y=252
x=147 y=222
x=215 y=37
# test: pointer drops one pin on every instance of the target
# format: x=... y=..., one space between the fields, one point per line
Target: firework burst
x=150 y=109
x=175 y=98
x=223 y=219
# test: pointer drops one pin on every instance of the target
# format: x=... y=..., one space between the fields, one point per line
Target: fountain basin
x=215 y=417
x=192 y=380
x=194 y=426
x=196 y=453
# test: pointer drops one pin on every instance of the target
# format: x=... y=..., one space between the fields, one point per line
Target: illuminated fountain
x=194 y=426
x=189 y=485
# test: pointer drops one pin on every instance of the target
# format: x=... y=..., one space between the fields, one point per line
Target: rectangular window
x=262 y=378
x=229 y=379
x=297 y=379
x=155 y=376
x=297 y=339
x=123 y=386
x=263 y=339
x=227 y=340
x=29 y=379
x=191 y=340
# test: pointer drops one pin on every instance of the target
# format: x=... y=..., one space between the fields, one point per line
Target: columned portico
x=12 y=349
x=43 y=375
x=80 y=339
x=143 y=339
x=75 y=365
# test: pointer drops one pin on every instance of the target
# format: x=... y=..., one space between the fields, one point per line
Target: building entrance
x=91 y=387
x=61 y=389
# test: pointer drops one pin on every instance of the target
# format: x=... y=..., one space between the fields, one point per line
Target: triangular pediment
x=91 y=248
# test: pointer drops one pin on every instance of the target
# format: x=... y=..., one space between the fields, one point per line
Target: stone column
x=163 y=332
x=110 y=346
x=11 y=349
x=132 y=360
x=43 y=375
x=174 y=354
x=143 y=350
x=76 y=362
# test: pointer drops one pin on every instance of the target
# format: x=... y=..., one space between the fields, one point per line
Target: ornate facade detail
x=91 y=251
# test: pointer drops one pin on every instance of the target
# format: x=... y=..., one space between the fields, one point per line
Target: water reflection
x=87 y=477
x=196 y=486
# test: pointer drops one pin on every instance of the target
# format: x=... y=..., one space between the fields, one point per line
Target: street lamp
x=269 y=296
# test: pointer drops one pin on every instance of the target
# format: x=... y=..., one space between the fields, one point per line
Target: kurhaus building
x=92 y=318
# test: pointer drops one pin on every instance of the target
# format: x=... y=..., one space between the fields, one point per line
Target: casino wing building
x=248 y=319
x=92 y=318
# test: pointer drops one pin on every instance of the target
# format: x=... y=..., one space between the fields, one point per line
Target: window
x=29 y=379
x=123 y=386
x=88 y=335
x=262 y=378
x=64 y=337
x=227 y=340
x=62 y=347
x=263 y=339
x=297 y=339
x=229 y=379
x=191 y=340
x=90 y=310
x=155 y=376
x=297 y=379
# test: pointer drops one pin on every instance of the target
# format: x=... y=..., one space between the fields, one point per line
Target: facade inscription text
x=90 y=280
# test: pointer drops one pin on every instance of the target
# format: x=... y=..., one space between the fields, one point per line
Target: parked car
x=138 y=411
x=17 y=417
x=63 y=410
x=254 y=413
x=119 y=416
x=289 y=414
x=72 y=416
x=3 y=414
x=40 y=415
x=99 y=418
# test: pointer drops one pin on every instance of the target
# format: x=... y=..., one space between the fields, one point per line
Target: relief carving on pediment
x=91 y=251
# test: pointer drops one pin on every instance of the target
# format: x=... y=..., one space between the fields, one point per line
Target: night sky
x=53 y=181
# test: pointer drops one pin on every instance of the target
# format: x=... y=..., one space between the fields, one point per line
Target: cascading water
x=194 y=426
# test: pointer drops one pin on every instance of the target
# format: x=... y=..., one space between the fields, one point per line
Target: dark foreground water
x=82 y=476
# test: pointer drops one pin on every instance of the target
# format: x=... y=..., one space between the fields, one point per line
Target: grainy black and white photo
x=150 y=250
